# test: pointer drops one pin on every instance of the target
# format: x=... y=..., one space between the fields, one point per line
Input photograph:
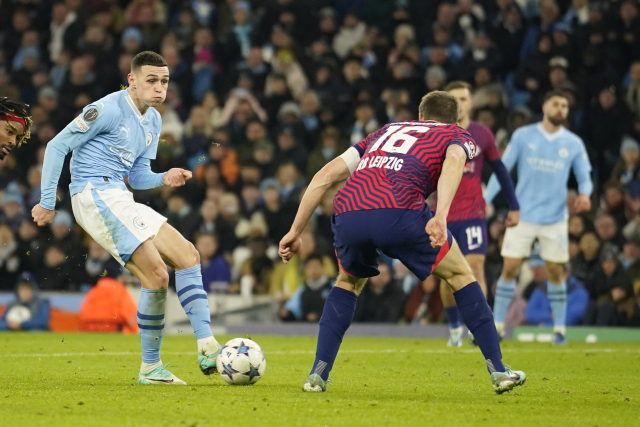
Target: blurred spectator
x=351 y=31
x=98 y=262
x=210 y=222
x=11 y=261
x=108 y=306
x=633 y=91
x=608 y=288
x=329 y=148
x=316 y=288
x=606 y=122
x=538 y=311
x=287 y=278
x=277 y=213
x=585 y=264
x=28 y=312
x=216 y=274
x=381 y=300
x=608 y=232
x=255 y=273
x=628 y=167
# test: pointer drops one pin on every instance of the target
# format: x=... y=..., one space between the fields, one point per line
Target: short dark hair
x=457 y=84
x=439 y=106
x=553 y=93
x=147 y=58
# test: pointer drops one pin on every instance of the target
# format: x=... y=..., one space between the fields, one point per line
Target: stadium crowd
x=264 y=93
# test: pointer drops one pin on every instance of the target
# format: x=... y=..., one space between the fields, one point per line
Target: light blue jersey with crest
x=110 y=140
x=544 y=162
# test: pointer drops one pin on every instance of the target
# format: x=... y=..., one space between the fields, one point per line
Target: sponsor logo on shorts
x=90 y=115
x=139 y=223
x=82 y=126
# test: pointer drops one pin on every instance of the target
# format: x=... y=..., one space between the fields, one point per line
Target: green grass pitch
x=90 y=380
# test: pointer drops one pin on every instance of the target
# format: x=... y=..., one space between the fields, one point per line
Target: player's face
x=463 y=96
x=9 y=133
x=151 y=84
x=556 y=110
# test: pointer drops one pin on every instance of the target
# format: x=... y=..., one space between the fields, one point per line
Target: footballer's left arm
x=142 y=178
x=582 y=169
x=336 y=170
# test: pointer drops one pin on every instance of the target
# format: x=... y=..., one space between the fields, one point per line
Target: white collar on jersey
x=134 y=108
x=550 y=136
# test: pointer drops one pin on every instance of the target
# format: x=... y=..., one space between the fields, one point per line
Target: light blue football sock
x=151 y=323
x=504 y=295
x=453 y=317
x=194 y=300
x=557 y=294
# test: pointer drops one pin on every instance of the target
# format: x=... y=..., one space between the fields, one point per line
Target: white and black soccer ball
x=18 y=314
x=241 y=361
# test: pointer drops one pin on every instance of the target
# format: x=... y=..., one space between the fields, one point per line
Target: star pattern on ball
x=243 y=349
x=228 y=371
x=253 y=372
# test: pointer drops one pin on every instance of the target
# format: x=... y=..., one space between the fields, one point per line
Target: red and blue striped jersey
x=400 y=165
x=468 y=202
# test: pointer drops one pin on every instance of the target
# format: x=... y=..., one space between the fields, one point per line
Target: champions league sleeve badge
x=90 y=115
x=149 y=138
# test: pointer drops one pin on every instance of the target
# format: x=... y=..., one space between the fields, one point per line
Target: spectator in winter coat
x=608 y=288
x=538 y=310
x=108 y=306
x=29 y=311
x=216 y=274
x=316 y=288
x=382 y=300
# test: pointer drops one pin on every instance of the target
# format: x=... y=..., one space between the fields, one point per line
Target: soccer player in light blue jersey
x=115 y=137
x=545 y=153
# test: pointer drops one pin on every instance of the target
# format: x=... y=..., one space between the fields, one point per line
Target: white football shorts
x=553 y=240
x=115 y=220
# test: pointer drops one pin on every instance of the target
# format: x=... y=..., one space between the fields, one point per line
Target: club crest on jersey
x=471 y=149
x=90 y=115
x=139 y=223
x=149 y=138
x=564 y=153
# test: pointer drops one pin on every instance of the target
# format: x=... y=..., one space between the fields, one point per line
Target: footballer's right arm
x=336 y=170
x=93 y=121
x=452 y=169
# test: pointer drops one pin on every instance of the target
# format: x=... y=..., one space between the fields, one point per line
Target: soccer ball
x=241 y=361
x=19 y=314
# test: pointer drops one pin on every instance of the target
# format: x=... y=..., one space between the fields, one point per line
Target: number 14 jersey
x=400 y=165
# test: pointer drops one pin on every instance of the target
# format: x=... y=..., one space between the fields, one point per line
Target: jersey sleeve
x=95 y=119
x=582 y=169
x=490 y=149
x=462 y=138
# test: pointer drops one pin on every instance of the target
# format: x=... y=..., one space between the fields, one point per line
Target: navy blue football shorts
x=471 y=235
x=398 y=233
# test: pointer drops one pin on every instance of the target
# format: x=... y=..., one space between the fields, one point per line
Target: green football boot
x=207 y=363
x=160 y=375
x=315 y=383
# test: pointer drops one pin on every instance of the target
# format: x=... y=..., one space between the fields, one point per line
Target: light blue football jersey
x=544 y=162
x=106 y=139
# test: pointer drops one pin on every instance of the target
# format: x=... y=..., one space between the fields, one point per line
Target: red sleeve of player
x=490 y=149
x=462 y=138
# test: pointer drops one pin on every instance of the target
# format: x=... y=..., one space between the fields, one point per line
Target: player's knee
x=160 y=276
x=193 y=257
x=510 y=271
